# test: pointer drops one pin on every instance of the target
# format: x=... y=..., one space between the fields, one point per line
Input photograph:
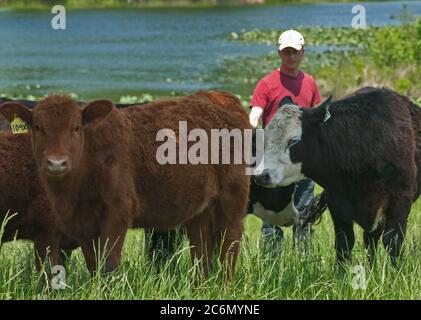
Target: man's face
x=291 y=57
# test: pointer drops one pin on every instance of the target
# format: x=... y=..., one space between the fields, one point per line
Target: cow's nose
x=57 y=164
x=263 y=179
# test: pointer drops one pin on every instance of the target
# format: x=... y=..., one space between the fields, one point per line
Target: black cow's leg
x=163 y=244
x=340 y=207
x=393 y=238
x=371 y=240
x=344 y=239
x=65 y=255
x=396 y=221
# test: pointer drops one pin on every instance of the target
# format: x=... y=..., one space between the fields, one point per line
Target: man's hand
x=254 y=117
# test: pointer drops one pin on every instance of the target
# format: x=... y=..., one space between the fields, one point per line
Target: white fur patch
x=284 y=127
x=285 y=218
x=379 y=219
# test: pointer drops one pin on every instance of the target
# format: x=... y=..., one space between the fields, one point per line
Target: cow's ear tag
x=326 y=105
x=327 y=115
x=18 y=126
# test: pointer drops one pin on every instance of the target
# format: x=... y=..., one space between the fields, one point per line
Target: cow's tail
x=313 y=213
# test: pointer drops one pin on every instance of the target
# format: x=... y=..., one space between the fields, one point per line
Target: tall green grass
x=283 y=273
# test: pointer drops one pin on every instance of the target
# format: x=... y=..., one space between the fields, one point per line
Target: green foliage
x=383 y=56
x=403 y=85
x=394 y=46
x=343 y=36
x=417 y=45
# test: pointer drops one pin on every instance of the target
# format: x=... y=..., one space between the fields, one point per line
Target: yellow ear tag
x=18 y=126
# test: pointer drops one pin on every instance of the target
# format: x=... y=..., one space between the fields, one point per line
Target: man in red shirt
x=283 y=85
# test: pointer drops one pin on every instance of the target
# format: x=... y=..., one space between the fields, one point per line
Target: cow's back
x=370 y=152
x=173 y=189
x=370 y=124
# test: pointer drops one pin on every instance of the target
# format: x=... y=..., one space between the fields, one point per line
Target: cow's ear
x=325 y=108
x=286 y=100
x=11 y=110
x=96 y=111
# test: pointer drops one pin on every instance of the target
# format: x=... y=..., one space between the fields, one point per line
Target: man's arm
x=258 y=103
x=316 y=95
x=255 y=115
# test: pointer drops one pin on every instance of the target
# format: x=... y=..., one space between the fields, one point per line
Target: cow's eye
x=37 y=128
x=292 y=141
x=77 y=129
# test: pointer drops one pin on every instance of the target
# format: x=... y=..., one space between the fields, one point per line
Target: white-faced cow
x=364 y=151
x=273 y=205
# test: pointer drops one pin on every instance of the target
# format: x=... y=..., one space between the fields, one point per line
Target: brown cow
x=21 y=193
x=158 y=240
x=99 y=168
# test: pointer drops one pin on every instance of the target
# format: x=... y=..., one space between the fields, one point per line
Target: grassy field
x=286 y=273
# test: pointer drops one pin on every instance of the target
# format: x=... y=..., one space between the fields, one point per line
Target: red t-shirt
x=274 y=87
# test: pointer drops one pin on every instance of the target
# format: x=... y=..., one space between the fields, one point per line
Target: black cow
x=364 y=150
x=275 y=206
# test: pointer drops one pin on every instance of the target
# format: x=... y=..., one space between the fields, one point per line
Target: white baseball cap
x=291 y=38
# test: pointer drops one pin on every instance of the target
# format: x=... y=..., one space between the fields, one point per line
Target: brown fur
x=21 y=193
x=4 y=124
x=115 y=181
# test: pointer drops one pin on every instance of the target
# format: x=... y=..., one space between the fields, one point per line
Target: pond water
x=109 y=53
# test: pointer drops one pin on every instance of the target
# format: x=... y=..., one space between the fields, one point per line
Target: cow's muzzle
x=264 y=179
x=57 y=166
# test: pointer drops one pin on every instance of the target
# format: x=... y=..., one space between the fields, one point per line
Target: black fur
x=365 y=157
